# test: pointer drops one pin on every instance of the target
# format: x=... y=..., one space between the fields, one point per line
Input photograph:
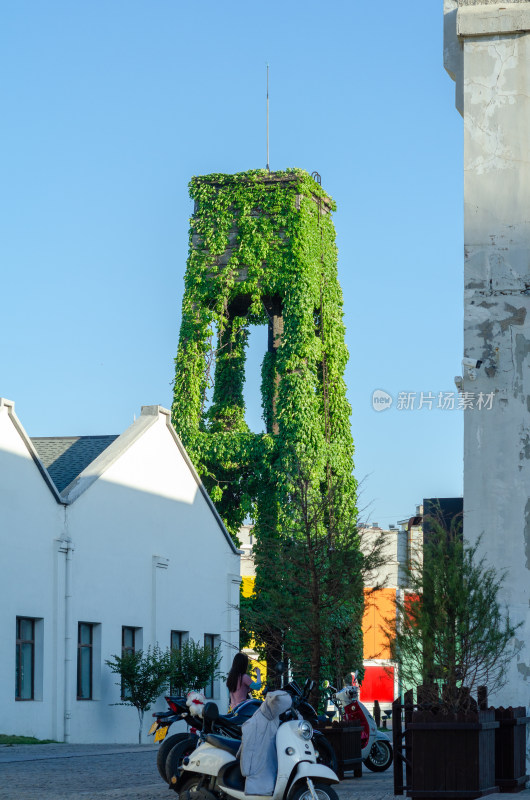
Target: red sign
x=378 y=684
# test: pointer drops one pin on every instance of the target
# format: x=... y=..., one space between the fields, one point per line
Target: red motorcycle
x=376 y=749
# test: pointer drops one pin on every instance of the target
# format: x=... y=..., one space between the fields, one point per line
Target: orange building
x=379 y=609
x=379 y=673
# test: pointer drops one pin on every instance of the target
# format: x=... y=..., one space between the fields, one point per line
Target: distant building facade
x=108 y=544
x=402 y=549
x=381 y=679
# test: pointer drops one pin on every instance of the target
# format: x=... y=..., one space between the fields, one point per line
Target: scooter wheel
x=174 y=759
x=164 y=750
x=188 y=786
x=322 y=791
x=380 y=756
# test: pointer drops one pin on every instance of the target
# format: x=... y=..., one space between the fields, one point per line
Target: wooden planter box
x=452 y=756
x=510 y=749
x=345 y=739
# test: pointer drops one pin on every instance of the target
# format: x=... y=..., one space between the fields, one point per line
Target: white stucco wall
x=487 y=51
x=148 y=552
x=31 y=522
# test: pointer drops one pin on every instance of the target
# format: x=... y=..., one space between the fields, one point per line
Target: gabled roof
x=65 y=457
x=120 y=444
x=71 y=464
x=10 y=406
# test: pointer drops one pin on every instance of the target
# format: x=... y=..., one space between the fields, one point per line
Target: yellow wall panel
x=379 y=606
x=247 y=585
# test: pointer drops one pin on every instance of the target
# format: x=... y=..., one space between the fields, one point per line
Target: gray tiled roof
x=66 y=456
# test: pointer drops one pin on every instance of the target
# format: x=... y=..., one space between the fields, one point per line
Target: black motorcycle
x=176 y=747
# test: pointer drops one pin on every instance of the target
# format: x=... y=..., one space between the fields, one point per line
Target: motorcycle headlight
x=305 y=729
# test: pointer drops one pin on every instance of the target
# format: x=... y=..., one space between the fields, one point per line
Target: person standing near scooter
x=239 y=683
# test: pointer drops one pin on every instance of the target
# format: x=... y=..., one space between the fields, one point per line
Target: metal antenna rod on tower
x=268 y=167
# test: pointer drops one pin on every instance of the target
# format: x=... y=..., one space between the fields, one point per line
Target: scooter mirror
x=279 y=668
x=325 y=684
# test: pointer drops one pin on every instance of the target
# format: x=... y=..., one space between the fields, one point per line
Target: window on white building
x=128 y=640
x=131 y=641
x=211 y=640
x=85 y=660
x=176 y=641
x=25 y=659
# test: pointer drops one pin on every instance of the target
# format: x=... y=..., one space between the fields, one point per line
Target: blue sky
x=108 y=110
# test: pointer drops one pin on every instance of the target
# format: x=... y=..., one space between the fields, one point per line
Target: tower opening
x=252 y=389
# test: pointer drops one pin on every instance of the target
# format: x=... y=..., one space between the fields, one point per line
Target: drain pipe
x=66 y=547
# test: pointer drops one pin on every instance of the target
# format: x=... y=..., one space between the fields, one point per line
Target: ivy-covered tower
x=262 y=251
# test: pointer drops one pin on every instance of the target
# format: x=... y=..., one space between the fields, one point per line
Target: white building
x=106 y=542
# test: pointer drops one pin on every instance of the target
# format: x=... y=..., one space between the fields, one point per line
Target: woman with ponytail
x=238 y=682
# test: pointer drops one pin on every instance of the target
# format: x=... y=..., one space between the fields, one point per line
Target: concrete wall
x=487 y=51
x=145 y=551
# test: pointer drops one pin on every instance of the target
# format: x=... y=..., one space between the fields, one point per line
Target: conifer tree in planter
x=452 y=637
x=452 y=631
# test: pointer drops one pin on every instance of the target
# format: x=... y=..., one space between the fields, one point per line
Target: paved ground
x=122 y=772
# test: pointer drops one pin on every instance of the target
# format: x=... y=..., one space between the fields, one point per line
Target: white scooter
x=376 y=749
x=212 y=771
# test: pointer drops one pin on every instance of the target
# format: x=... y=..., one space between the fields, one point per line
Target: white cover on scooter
x=259 y=762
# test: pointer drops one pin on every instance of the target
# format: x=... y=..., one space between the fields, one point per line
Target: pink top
x=241 y=692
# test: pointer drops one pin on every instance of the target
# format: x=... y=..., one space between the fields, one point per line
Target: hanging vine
x=262 y=251
x=258 y=235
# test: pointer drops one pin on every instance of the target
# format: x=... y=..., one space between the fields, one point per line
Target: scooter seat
x=242 y=712
x=223 y=743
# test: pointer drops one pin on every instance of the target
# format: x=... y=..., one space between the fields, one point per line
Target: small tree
x=143 y=677
x=451 y=631
x=308 y=599
x=193 y=666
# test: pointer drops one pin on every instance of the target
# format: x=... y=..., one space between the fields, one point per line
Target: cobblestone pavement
x=122 y=772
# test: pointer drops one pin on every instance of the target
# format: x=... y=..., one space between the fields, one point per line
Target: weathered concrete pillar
x=487 y=53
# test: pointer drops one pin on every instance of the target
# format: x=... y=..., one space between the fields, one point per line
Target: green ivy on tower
x=262 y=252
